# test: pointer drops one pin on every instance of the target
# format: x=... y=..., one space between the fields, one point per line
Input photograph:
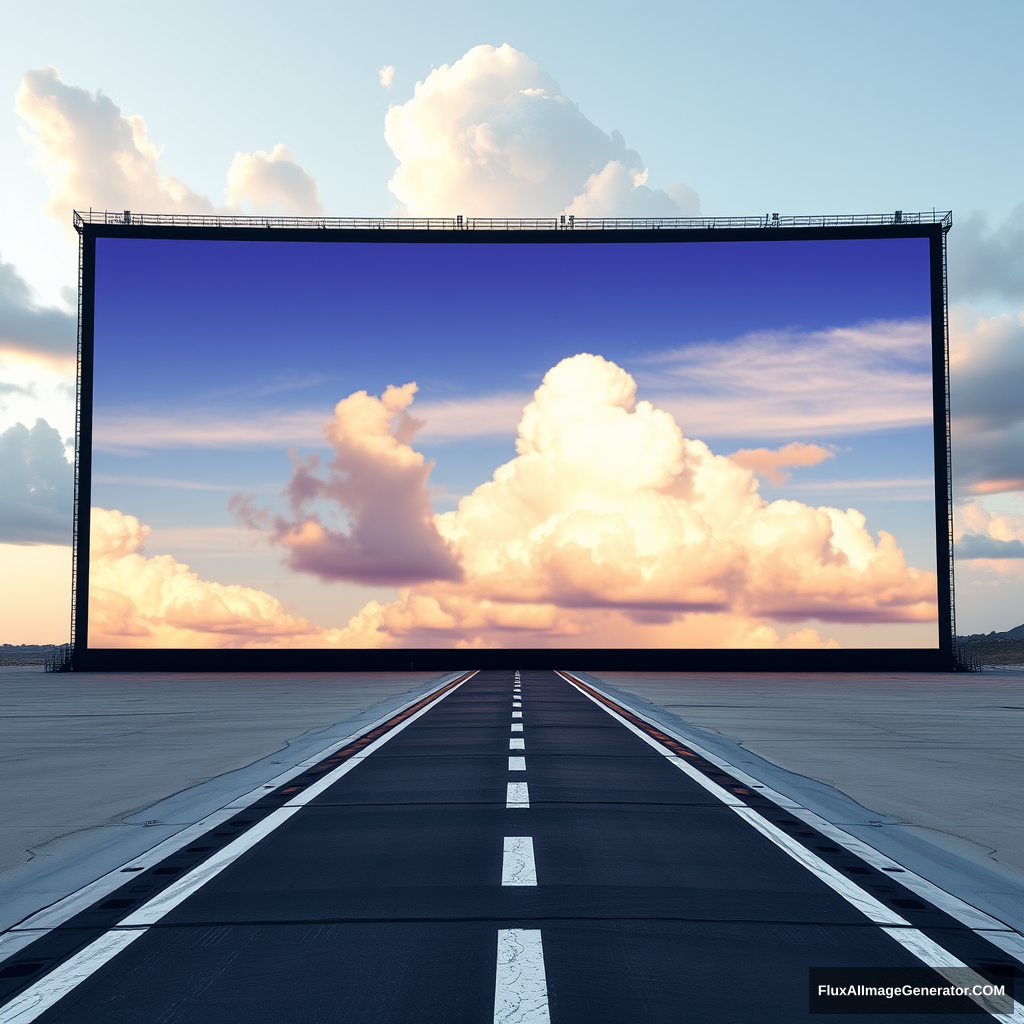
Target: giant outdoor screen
x=377 y=442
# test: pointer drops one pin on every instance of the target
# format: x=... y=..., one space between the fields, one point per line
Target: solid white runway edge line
x=61 y=980
x=58 y=983
x=39 y=923
x=517 y=743
x=956 y=972
x=891 y=923
x=520 y=987
x=517 y=764
x=517 y=864
x=517 y=796
x=988 y=927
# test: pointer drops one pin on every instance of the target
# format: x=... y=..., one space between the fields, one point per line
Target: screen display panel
x=385 y=441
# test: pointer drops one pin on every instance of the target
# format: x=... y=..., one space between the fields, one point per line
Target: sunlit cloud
x=607 y=514
x=492 y=135
x=136 y=600
x=95 y=156
x=984 y=534
x=773 y=465
x=379 y=484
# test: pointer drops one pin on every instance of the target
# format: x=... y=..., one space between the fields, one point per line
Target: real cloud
x=94 y=156
x=38 y=486
x=493 y=135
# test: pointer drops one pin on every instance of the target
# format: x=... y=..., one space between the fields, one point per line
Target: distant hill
x=1017 y=633
x=1006 y=648
x=26 y=654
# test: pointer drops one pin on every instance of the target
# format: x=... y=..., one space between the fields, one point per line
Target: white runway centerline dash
x=517 y=714
x=517 y=863
x=517 y=726
x=517 y=796
x=520 y=987
x=517 y=764
x=517 y=743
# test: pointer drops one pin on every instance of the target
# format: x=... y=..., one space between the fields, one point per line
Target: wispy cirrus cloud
x=173 y=484
x=476 y=416
x=911 y=488
x=843 y=380
x=134 y=431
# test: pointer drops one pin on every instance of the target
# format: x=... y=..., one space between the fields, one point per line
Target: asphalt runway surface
x=506 y=851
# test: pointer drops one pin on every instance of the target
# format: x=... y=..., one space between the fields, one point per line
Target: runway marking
x=517 y=726
x=895 y=926
x=517 y=743
x=517 y=863
x=517 y=704
x=37 y=998
x=956 y=972
x=520 y=986
x=58 y=983
x=44 y=921
x=517 y=796
x=517 y=714
x=517 y=764
x=988 y=927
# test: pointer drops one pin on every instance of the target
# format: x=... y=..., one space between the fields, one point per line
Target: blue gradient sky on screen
x=213 y=359
x=502 y=313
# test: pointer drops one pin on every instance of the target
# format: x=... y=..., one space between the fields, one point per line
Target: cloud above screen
x=94 y=156
x=492 y=135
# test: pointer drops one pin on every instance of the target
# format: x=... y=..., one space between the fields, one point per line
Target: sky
x=796 y=108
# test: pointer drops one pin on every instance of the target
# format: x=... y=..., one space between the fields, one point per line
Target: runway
x=516 y=850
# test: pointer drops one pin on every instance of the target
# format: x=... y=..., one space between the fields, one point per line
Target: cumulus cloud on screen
x=608 y=528
x=140 y=601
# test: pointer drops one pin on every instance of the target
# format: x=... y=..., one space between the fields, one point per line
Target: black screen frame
x=84 y=658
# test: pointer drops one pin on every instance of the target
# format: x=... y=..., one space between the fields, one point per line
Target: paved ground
x=514 y=854
x=931 y=764
x=97 y=768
